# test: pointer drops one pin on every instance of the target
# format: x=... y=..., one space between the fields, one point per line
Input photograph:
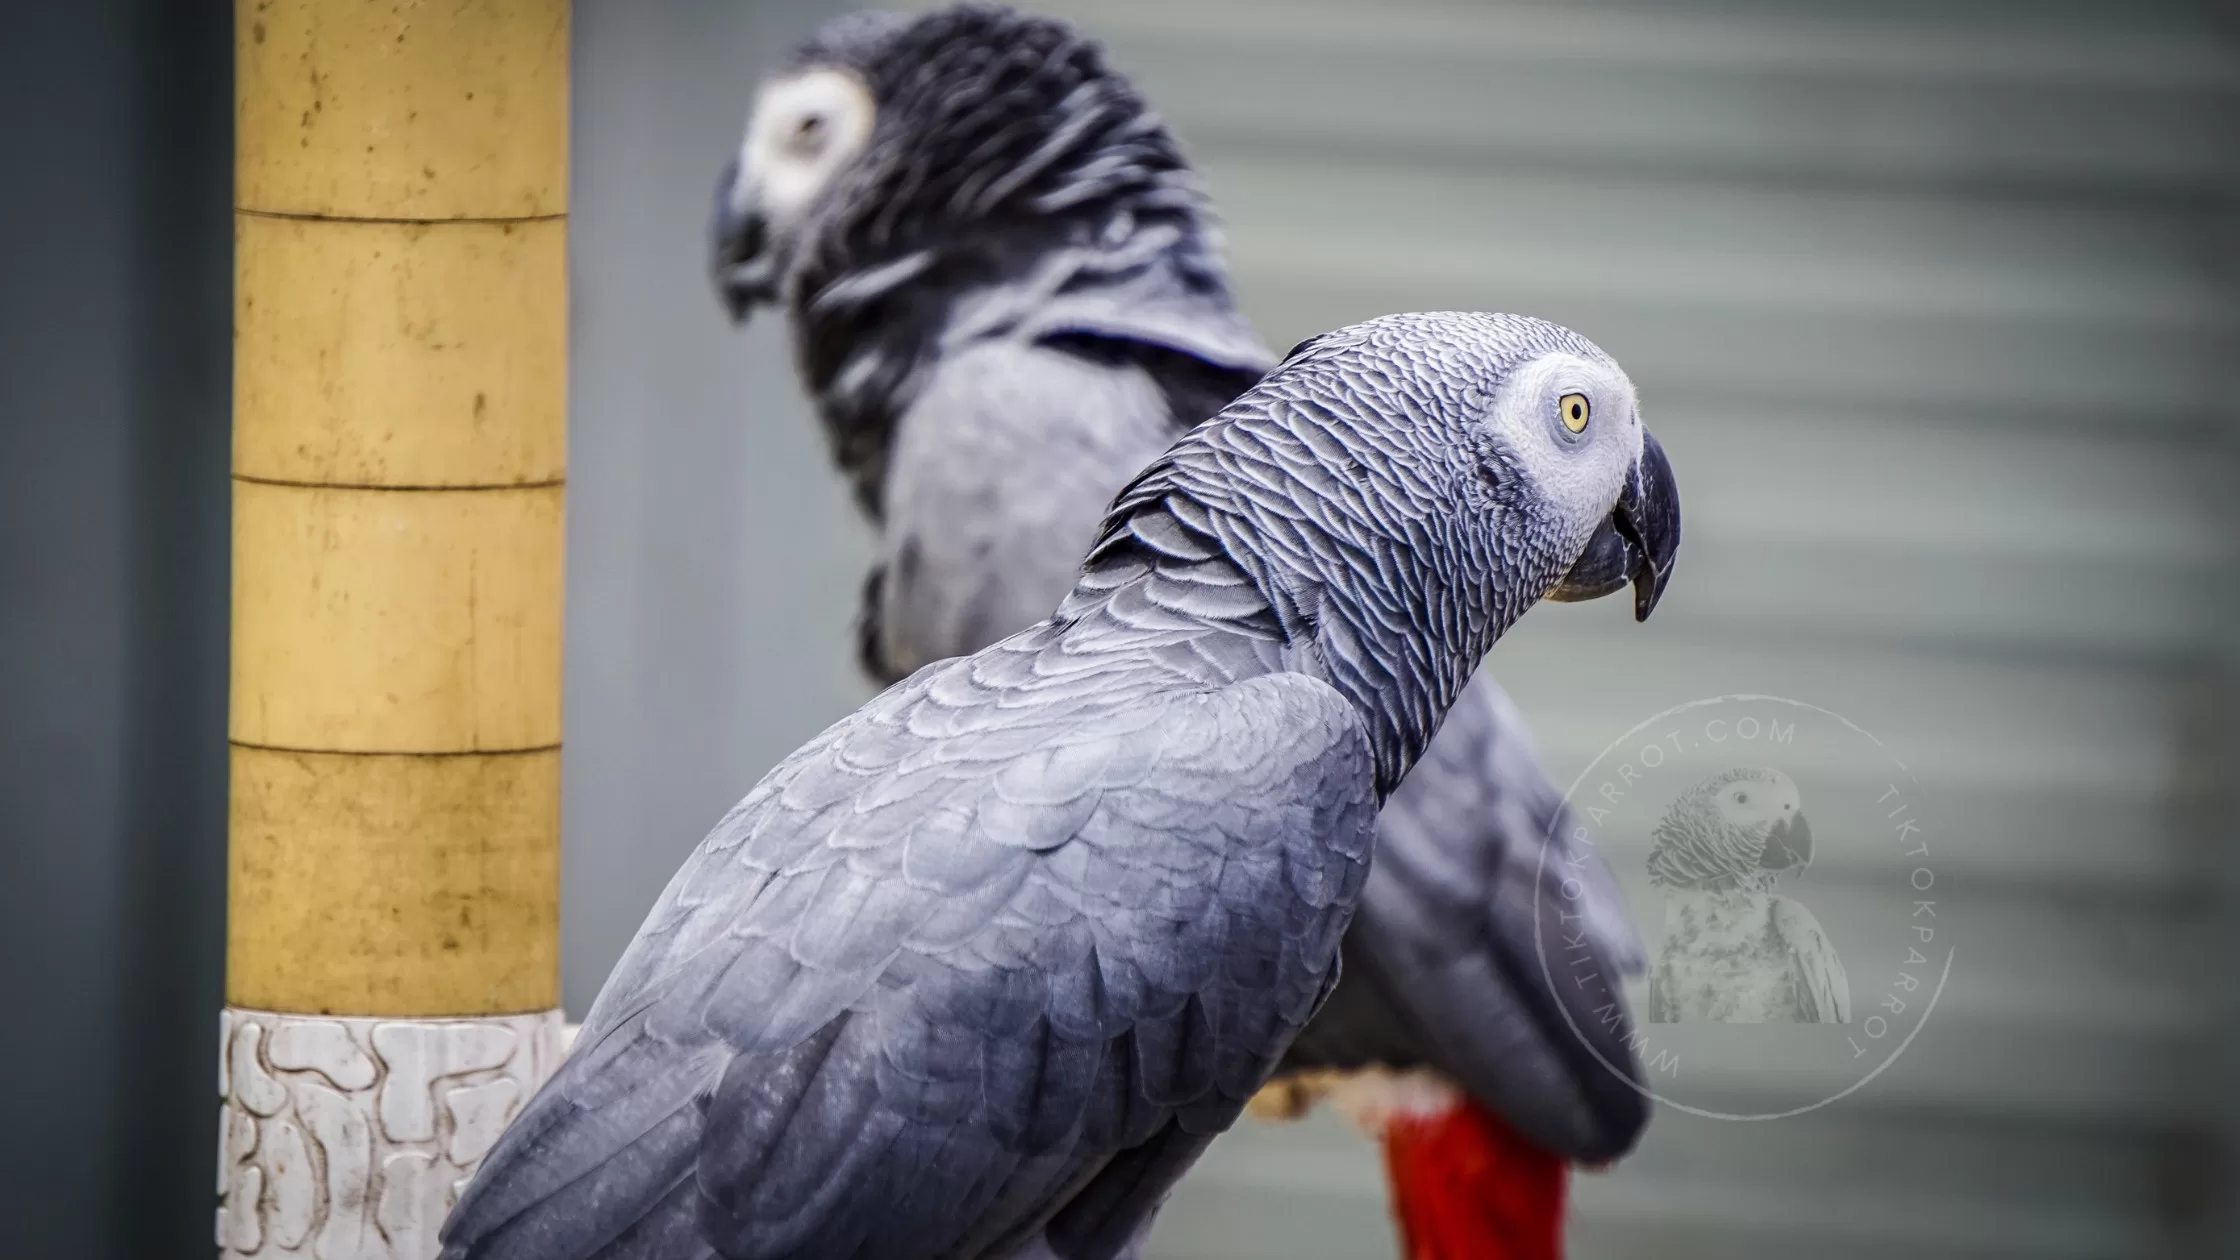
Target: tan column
x=400 y=354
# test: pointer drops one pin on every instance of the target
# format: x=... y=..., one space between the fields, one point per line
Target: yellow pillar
x=399 y=459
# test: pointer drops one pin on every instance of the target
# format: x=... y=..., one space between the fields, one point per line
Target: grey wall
x=712 y=563
x=114 y=344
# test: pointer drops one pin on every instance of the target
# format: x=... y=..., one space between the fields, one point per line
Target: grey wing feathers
x=944 y=965
x=1490 y=946
x=1111 y=1217
x=1823 y=989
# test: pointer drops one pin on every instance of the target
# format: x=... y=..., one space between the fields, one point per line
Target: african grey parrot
x=1005 y=298
x=986 y=965
x=1736 y=950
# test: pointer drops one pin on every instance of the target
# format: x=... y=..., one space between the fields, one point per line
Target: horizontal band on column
x=393 y=884
x=298 y=217
x=401 y=752
x=402 y=111
x=384 y=354
x=350 y=485
x=369 y=621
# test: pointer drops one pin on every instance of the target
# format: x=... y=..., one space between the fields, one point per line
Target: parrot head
x=885 y=132
x=1402 y=490
x=1741 y=829
x=1553 y=431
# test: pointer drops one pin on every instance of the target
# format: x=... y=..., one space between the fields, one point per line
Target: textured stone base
x=347 y=1138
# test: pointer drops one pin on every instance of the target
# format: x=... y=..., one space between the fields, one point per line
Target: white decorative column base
x=349 y=1138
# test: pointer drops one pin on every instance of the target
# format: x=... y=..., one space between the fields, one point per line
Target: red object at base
x=1466 y=1186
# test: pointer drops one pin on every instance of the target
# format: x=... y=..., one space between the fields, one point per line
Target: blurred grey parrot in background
x=1006 y=298
x=1736 y=950
x=980 y=970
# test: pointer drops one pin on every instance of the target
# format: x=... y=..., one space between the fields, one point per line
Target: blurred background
x=1935 y=305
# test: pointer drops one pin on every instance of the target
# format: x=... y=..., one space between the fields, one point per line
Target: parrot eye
x=803 y=131
x=1574 y=410
x=1742 y=798
x=808 y=135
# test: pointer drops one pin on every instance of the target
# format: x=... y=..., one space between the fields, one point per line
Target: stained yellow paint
x=400 y=354
x=396 y=620
x=400 y=386
x=369 y=885
x=396 y=109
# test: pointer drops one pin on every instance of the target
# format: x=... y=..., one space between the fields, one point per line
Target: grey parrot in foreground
x=1736 y=949
x=1005 y=299
x=984 y=967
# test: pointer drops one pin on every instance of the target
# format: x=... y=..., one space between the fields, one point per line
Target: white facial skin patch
x=1570 y=467
x=803 y=130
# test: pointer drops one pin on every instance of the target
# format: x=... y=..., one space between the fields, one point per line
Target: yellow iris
x=1574 y=410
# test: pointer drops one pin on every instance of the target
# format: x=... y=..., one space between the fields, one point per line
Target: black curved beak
x=1637 y=544
x=1788 y=845
x=743 y=265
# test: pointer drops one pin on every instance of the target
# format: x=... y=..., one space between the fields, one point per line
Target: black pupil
x=1574 y=411
x=811 y=125
x=1742 y=798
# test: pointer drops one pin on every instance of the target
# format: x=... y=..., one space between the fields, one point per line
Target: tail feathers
x=1466 y=1186
x=639 y=1203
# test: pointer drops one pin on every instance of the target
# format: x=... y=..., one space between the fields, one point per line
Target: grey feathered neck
x=1015 y=185
x=1390 y=547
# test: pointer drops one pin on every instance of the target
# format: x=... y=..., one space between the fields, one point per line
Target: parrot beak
x=1788 y=845
x=1638 y=542
x=744 y=266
